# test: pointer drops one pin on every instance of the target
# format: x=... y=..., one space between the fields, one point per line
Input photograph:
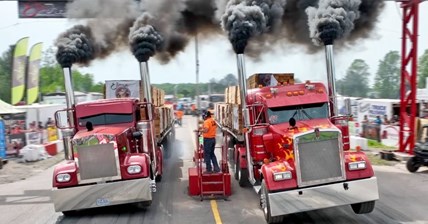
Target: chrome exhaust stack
x=68 y=133
x=147 y=94
x=243 y=92
x=331 y=79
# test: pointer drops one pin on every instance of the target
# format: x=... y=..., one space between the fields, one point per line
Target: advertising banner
x=33 y=9
x=18 y=70
x=33 y=73
x=122 y=89
x=2 y=140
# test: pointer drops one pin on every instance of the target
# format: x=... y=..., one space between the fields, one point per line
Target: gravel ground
x=15 y=170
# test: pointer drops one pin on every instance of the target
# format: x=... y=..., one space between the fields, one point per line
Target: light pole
x=197 y=80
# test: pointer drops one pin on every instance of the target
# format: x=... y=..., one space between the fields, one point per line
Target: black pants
x=209 y=155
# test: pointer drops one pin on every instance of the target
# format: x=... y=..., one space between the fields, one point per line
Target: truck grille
x=319 y=160
x=97 y=161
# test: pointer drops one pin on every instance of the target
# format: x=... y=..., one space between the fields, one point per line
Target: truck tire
x=1 y=163
x=265 y=206
x=158 y=178
x=412 y=165
x=363 y=207
x=143 y=204
x=69 y=213
x=241 y=174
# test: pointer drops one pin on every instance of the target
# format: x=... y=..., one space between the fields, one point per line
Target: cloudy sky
x=215 y=54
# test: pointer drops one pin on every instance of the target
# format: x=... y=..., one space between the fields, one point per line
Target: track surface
x=404 y=198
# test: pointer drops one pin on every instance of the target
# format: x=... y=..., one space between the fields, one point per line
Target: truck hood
x=103 y=130
x=302 y=126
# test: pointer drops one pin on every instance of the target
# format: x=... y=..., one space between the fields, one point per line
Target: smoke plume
x=247 y=19
x=256 y=26
x=76 y=45
x=144 y=39
x=332 y=20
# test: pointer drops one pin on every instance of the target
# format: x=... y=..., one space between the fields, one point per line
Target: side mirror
x=62 y=120
x=137 y=135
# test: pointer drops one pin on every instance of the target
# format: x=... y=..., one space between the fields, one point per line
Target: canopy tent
x=6 y=108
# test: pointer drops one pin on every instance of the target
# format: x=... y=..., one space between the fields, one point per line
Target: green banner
x=33 y=73
x=18 y=71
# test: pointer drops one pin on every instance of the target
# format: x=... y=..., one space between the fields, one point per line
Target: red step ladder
x=209 y=184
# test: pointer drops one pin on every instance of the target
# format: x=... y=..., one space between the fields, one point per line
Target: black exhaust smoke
x=332 y=20
x=144 y=40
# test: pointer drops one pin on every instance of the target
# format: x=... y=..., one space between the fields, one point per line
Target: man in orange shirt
x=209 y=132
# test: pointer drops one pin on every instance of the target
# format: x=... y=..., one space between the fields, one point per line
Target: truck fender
x=241 y=154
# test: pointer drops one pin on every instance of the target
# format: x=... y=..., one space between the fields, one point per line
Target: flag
x=33 y=73
x=18 y=70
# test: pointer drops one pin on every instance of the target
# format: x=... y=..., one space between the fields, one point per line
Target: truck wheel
x=241 y=174
x=265 y=206
x=158 y=178
x=363 y=207
x=1 y=163
x=412 y=165
x=69 y=213
x=143 y=204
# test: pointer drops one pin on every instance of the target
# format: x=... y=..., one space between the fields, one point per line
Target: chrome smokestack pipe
x=243 y=91
x=242 y=86
x=67 y=134
x=331 y=78
x=145 y=79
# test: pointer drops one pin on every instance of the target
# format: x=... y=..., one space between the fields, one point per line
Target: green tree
x=6 y=74
x=423 y=70
x=355 y=82
x=387 y=80
x=52 y=77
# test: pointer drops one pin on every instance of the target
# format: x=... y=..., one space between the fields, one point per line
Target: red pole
x=408 y=83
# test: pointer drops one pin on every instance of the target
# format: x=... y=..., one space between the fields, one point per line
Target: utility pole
x=197 y=79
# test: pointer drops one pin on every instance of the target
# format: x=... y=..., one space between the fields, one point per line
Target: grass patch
x=376 y=160
x=373 y=144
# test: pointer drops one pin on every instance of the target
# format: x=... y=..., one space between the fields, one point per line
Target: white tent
x=6 y=108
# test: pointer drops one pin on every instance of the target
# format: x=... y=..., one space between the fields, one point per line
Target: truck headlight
x=133 y=169
x=63 y=177
x=282 y=176
x=360 y=165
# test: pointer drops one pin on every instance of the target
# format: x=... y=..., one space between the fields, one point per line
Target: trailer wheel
x=265 y=206
x=363 y=207
x=412 y=165
x=241 y=174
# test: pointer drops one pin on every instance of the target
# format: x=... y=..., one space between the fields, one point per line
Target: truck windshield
x=104 y=119
x=279 y=115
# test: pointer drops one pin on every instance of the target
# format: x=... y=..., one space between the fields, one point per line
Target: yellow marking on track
x=215 y=212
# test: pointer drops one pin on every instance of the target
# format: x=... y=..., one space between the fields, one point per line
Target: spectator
x=49 y=122
x=385 y=119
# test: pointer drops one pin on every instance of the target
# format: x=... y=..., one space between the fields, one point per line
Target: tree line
x=355 y=83
x=387 y=79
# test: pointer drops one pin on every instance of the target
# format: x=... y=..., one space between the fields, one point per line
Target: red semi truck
x=112 y=155
x=286 y=142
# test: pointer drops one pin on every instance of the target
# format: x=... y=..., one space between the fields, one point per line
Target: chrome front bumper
x=99 y=195
x=325 y=196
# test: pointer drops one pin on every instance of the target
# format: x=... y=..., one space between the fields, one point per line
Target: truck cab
x=297 y=156
x=111 y=161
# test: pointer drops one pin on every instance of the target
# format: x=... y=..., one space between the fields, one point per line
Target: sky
x=216 y=57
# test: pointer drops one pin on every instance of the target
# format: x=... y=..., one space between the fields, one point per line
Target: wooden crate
x=269 y=79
